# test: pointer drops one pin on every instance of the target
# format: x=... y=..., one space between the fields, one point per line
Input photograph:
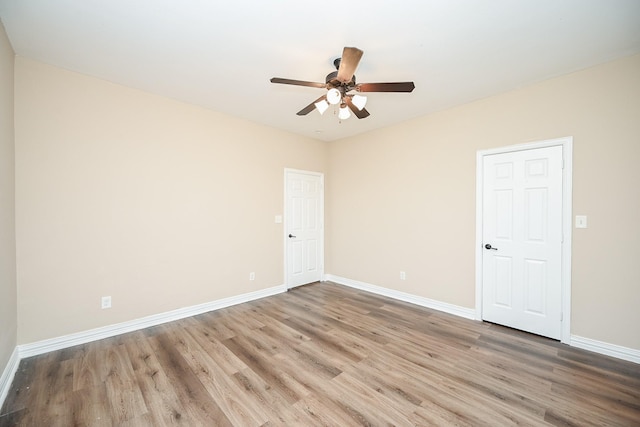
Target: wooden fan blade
x=309 y=108
x=386 y=87
x=348 y=63
x=361 y=114
x=297 y=82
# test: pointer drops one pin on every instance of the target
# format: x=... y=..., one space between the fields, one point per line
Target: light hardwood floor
x=324 y=354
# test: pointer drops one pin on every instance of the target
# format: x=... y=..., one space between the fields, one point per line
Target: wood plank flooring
x=325 y=355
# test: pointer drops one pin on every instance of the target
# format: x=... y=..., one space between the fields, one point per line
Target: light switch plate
x=581 y=221
x=278 y=219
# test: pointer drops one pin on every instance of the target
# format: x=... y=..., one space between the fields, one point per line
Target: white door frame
x=567 y=185
x=285 y=236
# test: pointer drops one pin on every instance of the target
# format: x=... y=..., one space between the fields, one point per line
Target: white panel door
x=522 y=239
x=304 y=227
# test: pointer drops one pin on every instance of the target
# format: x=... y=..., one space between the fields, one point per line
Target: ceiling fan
x=340 y=83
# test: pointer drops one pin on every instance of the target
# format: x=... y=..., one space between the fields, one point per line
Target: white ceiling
x=221 y=54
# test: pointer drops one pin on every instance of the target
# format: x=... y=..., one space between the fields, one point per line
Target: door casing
x=567 y=173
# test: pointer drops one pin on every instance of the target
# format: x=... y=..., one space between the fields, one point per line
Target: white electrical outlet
x=403 y=275
x=106 y=302
x=252 y=276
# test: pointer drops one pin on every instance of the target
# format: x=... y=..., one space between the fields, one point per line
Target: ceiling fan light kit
x=334 y=96
x=343 y=112
x=338 y=85
x=359 y=101
x=321 y=106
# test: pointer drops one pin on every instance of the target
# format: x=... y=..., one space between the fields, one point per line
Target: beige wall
x=164 y=205
x=157 y=203
x=403 y=198
x=8 y=301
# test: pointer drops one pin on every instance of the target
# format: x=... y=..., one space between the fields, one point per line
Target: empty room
x=410 y=213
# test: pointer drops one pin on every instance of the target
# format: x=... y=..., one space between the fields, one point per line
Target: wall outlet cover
x=105 y=302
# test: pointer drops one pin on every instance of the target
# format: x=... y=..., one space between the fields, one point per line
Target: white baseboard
x=607 y=349
x=624 y=353
x=45 y=346
x=8 y=374
x=468 y=313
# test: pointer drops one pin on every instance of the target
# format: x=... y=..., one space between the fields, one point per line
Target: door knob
x=291 y=236
x=488 y=246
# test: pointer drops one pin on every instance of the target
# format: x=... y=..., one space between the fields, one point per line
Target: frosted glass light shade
x=359 y=101
x=333 y=96
x=322 y=106
x=344 y=113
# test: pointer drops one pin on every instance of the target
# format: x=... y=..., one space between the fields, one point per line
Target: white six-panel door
x=522 y=240
x=304 y=227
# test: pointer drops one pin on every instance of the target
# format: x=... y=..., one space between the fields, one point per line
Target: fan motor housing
x=332 y=79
